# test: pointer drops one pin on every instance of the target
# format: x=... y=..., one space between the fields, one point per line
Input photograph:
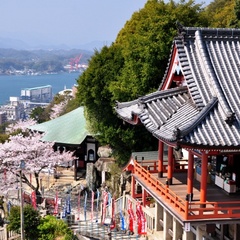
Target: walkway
x=214 y=193
x=101 y=232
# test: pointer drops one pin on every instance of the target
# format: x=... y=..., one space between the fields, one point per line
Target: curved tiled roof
x=205 y=112
x=69 y=128
x=127 y=110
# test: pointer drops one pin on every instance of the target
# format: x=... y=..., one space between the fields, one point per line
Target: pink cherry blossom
x=21 y=124
x=57 y=109
x=36 y=155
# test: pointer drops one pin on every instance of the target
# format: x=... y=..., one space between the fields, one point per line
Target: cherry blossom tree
x=21 y=125
x=36 y=155
x=57 y=109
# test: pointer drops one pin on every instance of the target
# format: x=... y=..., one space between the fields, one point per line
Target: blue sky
x=68 y=22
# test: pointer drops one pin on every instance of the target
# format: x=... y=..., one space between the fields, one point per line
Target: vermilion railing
x=187 y=210
x=180 y=165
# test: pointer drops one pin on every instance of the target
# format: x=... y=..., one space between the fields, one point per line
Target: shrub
x=51 y=228
x=31 y=221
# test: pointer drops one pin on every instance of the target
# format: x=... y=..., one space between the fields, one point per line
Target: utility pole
x=22 y=166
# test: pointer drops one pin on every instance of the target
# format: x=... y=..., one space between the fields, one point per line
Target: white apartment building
x=14 y=110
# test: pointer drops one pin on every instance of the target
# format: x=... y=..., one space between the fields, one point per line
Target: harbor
x=11 y=86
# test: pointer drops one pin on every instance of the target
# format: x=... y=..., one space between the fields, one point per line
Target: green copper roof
x=69 y=128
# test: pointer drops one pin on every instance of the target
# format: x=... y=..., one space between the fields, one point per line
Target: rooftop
x=68 y=129
x=202 y=110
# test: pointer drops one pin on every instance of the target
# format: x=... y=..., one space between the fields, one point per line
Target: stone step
x=101 y=232
x=62 y=177
x=66 y=182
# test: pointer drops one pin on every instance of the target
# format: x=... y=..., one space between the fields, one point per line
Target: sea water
x=11 y=86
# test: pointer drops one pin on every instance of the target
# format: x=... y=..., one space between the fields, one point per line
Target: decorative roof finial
x=179 y=27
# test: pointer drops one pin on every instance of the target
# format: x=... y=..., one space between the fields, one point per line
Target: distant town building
x=37 y=94
x=66 y=91
x=20 y=108
x=69 y=91
x=13 y=111
x=3 y=117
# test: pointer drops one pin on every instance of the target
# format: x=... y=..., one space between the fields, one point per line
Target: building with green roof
x=70 y=132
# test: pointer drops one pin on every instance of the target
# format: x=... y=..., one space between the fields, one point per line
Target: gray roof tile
x=206 y=112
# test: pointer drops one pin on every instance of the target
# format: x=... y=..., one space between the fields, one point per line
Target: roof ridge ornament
x=180 y=27
x=181 y=31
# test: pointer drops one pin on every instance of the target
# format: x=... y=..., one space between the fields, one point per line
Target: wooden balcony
x=219 y=204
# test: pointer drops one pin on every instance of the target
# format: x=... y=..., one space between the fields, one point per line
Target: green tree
x=39 y=114
x=51 y=228
x=236 y=17
x=223 y=13
x=3 y=127
x=31 y=221
x=43 y=114
x=3 y=137
x=131 y=67
x=71 y=105
x=146 y=42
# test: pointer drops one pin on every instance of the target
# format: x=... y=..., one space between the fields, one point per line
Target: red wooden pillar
x=144 y=196
x=160 y=158
x=170 y=165
x=133 y=187
x=204 y=175
x=190 y=176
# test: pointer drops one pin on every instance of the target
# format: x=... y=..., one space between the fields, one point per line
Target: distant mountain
x=13 y=61
x=21 y=45
x=13 y=43
x=7 y=54
x=18 y=57
x=95 y=45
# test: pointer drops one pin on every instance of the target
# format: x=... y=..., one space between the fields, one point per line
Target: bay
x=11 y=86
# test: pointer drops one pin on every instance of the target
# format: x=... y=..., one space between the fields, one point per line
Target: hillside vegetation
x=39 y=60
x=134 y=66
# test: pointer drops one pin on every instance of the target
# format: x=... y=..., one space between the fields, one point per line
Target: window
x=90 y=155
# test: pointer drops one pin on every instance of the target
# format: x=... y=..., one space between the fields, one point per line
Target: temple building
x=69 y=132
x=195 y=109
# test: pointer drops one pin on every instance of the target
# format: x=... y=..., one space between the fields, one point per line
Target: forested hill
x=40 y=60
